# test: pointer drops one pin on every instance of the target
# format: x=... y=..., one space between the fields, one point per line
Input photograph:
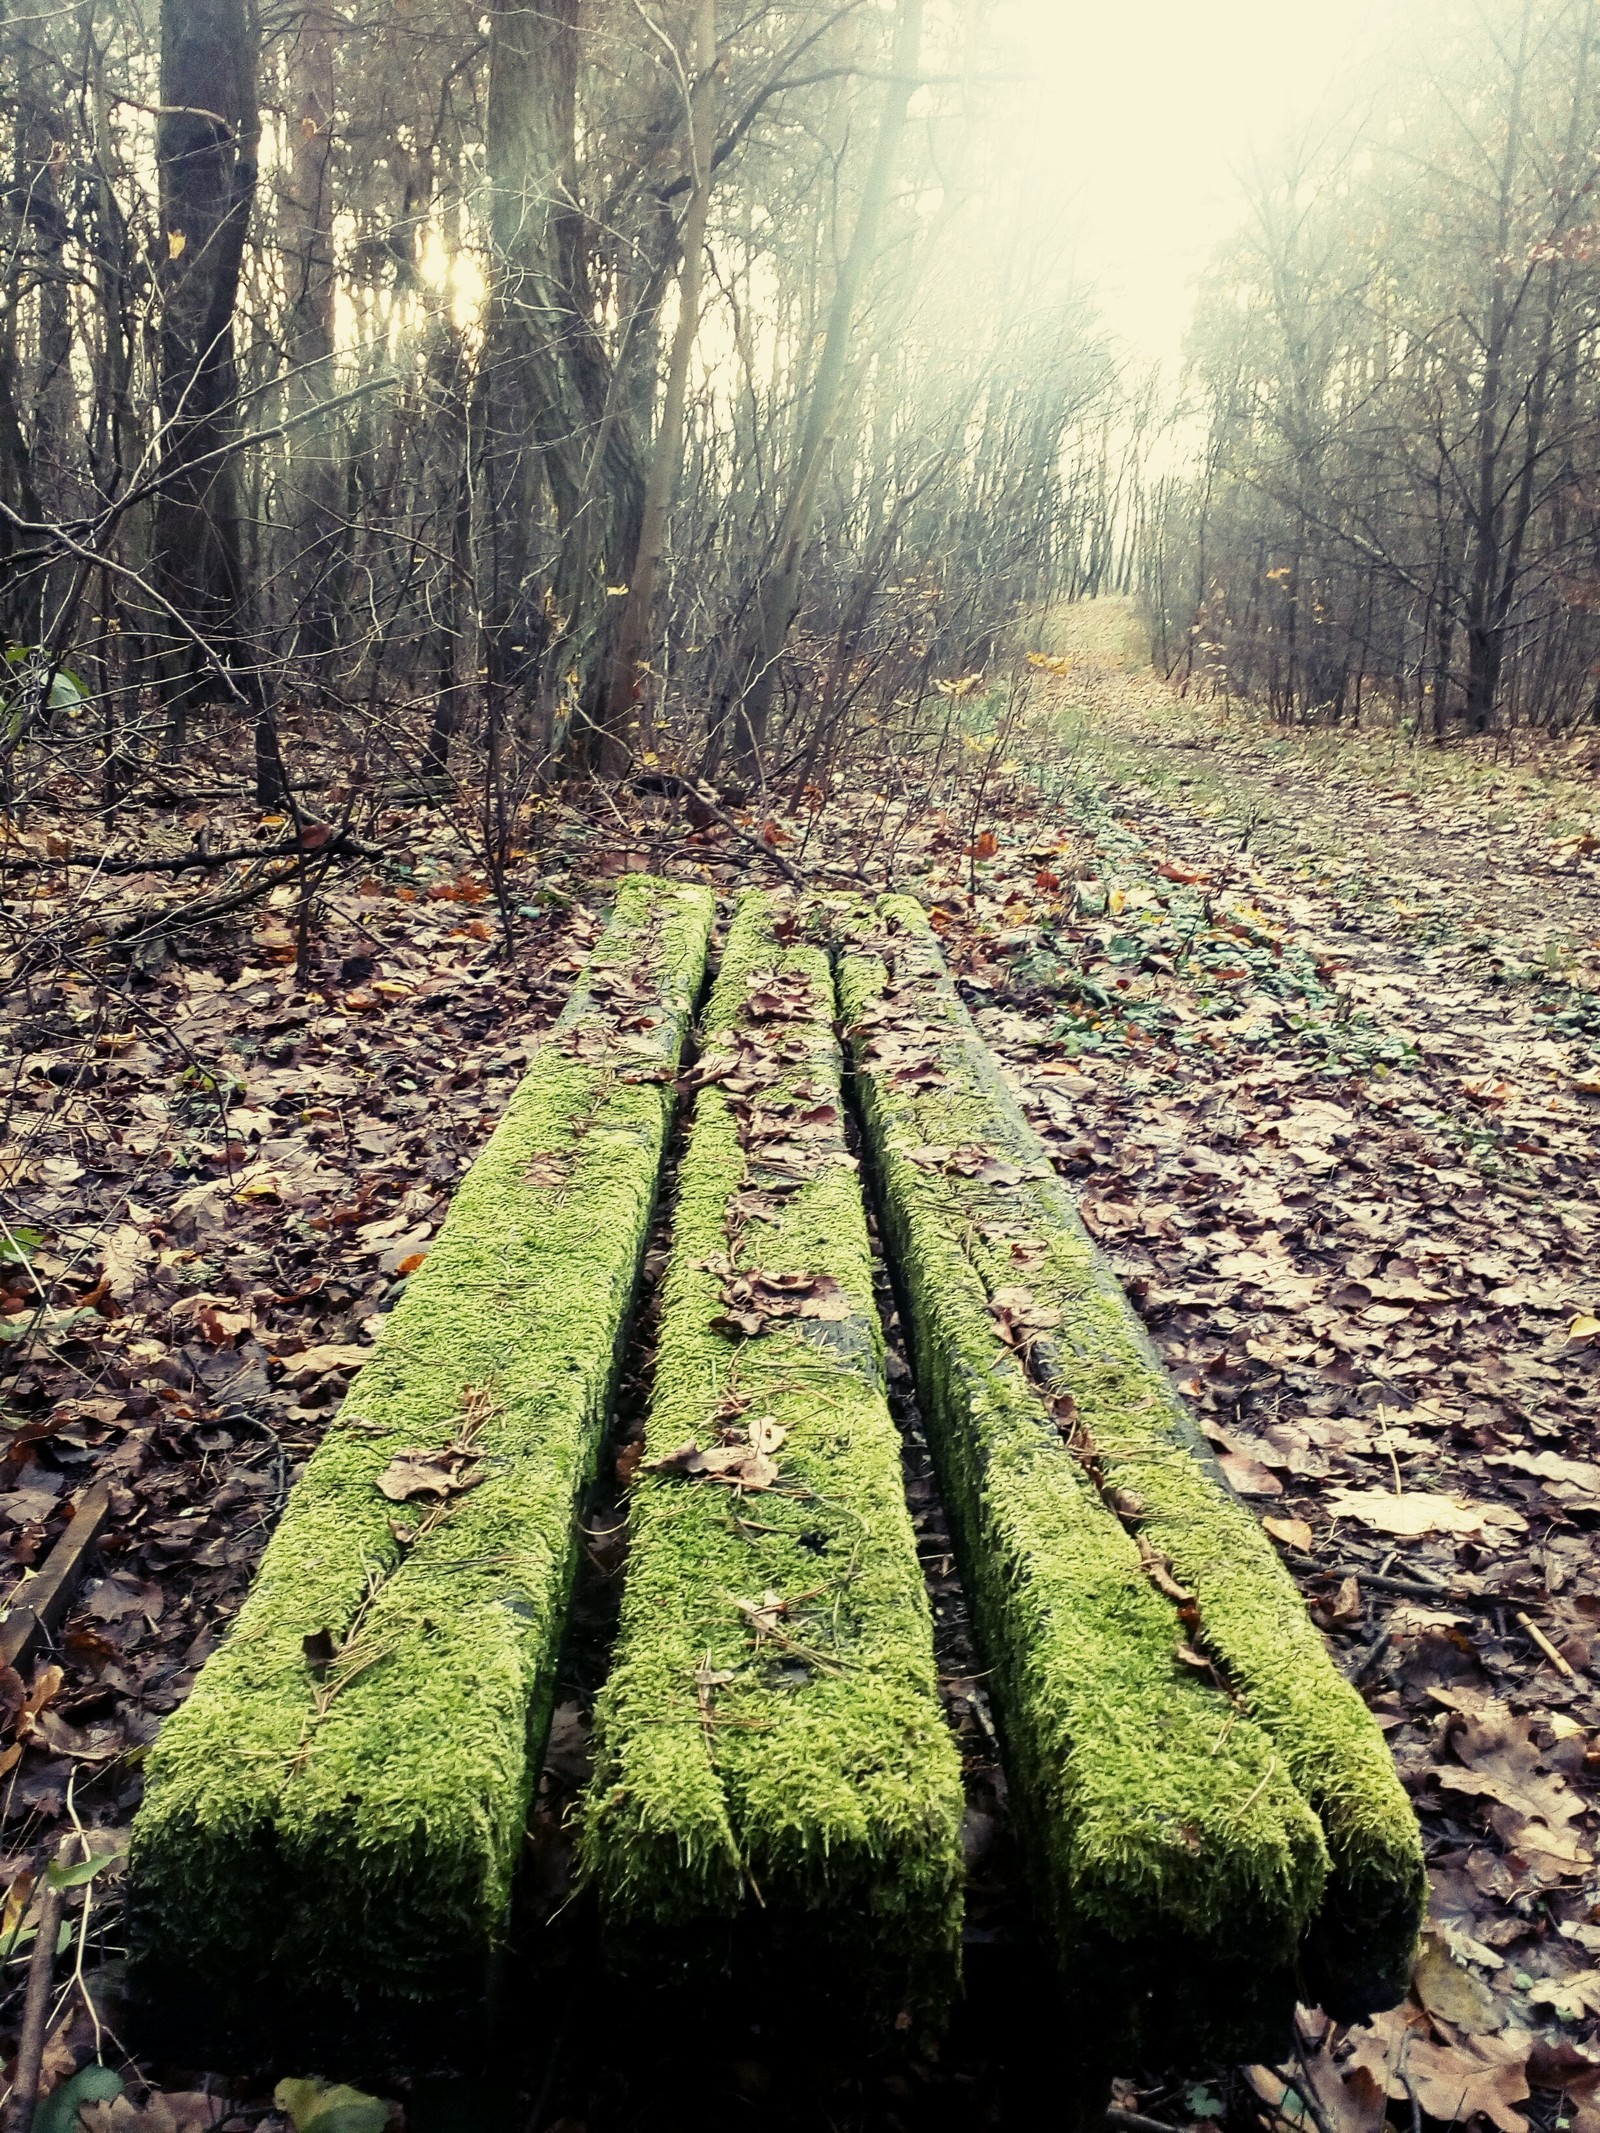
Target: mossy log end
x=773 y=1767
x=334 y=1814
x=1206 y=1799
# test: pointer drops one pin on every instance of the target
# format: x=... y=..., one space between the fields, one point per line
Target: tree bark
x=206 y=143
x=306 y=213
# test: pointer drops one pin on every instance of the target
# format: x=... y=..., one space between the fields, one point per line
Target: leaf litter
x=1314 y=1041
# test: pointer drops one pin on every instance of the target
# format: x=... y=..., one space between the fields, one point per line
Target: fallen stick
x=184 y=862
x=1369 y=1658
x=24 y=2095
x=1413 y=1588
x=1561 y=1664
x=39 y=1602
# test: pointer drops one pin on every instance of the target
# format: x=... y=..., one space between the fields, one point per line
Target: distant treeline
x=1396 y=366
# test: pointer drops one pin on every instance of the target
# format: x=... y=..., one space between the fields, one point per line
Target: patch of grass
x=1219 y=1813
x=334 y=1815
x=772 y=1759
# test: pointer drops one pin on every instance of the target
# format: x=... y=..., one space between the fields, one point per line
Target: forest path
x=1472 y=838
x=1457 y=897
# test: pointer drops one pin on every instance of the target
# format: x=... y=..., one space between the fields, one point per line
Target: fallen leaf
x=427 y=1473
x=1451 y=2081
x=825 y=1300
x=1410 y=1515
x=163 y=2111
x=1453 y=1993
x=1499 y=1761
x=316 y=2107
x=1570 y=1999
x=1248 y=1476
x=59 y=2112
x=1293 y=1532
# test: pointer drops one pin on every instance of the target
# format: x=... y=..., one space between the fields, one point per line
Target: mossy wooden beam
x=1187 y=1757
x=334 y=1814
x=772 y=1759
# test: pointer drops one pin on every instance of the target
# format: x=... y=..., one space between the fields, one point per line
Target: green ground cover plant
x=772 y=1758
x=335 y=1812
x=1208 y=1802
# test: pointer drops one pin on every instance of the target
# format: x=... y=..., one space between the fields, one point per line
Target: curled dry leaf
x=1158 y=1570
x=440 y=1474
x=745 y=1465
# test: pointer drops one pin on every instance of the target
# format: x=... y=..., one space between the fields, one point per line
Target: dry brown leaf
x=1293 y=1532
x=1533 y=1811
x=1410 y=1515
x=426 y=1473
x=1451 y=2080
x=826 y=1300
x=1570 y=1999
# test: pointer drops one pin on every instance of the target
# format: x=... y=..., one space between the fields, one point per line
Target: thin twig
x=36 y=2004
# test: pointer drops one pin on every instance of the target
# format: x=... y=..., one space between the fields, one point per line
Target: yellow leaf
x=1293 y=1532
x=1584 y=1327
x=176 y=241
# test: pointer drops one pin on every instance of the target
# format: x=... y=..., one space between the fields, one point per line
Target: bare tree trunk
x=747 y=694
x=207 y=142
x=1485 y=635
x=623 y=682
x=21 y=604
x=306 y=210
x=58 y=452
x=526 y=423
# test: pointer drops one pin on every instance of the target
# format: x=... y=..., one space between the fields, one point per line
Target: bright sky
x=1142 y=110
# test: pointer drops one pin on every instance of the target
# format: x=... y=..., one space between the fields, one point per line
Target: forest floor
x=1314 y=1027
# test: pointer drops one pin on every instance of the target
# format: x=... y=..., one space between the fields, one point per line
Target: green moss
x=965 y=1238
x=804 y=1775
x=353 y=1828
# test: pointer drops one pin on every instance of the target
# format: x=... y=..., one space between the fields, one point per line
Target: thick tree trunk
x=207 y=145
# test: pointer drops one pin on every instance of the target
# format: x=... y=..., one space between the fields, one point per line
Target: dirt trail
x=1413 y=874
